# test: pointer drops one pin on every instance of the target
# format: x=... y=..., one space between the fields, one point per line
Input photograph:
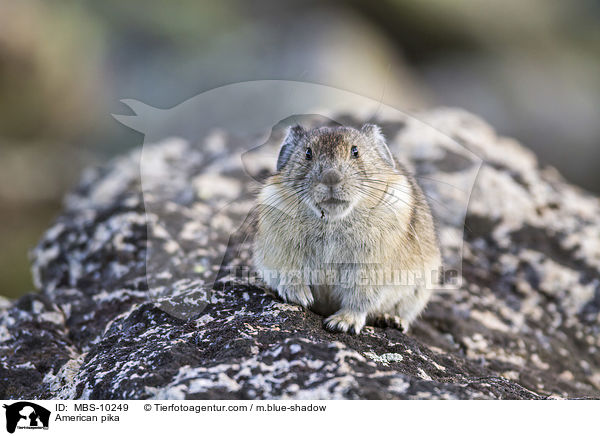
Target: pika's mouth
x=333 y=208
x=334 y=202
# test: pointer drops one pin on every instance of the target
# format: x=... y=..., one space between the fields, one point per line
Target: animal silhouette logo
x=26 y=415
x=229 y=134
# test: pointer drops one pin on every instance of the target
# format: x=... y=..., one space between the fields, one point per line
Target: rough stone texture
x=123 y=273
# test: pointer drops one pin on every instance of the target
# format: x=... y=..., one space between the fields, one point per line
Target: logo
x=26 y=415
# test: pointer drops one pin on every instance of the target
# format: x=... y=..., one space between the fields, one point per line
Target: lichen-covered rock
x=138 y=297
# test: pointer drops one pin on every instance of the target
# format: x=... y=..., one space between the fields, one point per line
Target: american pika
x=344 y=230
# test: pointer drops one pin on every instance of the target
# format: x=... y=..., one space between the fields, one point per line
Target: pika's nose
x=331 y=177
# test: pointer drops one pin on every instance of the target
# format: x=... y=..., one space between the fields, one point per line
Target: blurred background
x=531 y=68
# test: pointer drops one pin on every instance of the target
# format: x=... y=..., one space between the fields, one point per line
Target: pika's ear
x=373 y=132
x=294 y=135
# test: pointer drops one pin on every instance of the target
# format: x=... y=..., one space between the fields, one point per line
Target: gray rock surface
x=128 y=305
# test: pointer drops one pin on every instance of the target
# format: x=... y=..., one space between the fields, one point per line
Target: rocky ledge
x=136 y=298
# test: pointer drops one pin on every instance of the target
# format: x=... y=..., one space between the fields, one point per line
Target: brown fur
x=376 y=219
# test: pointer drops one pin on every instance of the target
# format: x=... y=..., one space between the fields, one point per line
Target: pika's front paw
x=345 y=321
x=393 y=321
x=296 y=294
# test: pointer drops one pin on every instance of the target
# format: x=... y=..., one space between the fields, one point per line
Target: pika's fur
x=345 y=230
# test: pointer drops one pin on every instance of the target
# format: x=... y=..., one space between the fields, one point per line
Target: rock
x=143 y=294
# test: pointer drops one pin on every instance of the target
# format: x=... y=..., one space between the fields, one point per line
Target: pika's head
x=335 y=169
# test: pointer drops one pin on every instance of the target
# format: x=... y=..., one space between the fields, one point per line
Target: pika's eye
x=354 y=151
x=308 y=153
